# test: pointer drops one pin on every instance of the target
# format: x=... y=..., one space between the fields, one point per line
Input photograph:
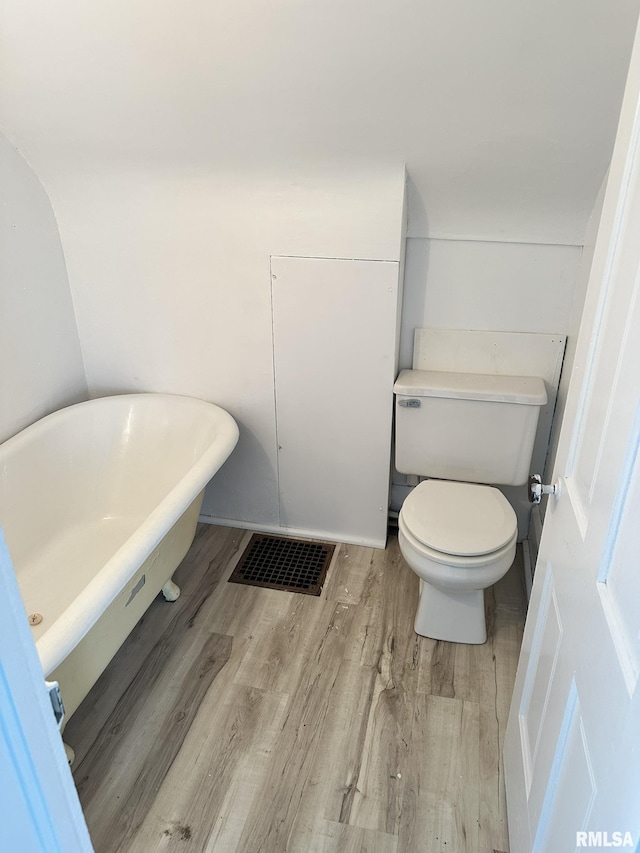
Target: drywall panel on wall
x=334 y=324
x=465 y=284
x=171 y=286
x=510 y=353
x=40 y=361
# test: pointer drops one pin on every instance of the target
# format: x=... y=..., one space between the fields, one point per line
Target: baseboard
x=278 y=530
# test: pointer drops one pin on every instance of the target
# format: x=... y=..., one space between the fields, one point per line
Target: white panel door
x=39 y=806
x=335 y=333
x=573 y=739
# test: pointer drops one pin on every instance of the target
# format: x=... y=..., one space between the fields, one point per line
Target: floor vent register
x=294 y=565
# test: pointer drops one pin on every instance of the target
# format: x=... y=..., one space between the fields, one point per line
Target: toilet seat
x=451 y=520
x=454 y=561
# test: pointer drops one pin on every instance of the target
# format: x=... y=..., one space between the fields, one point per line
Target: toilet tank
x=465 y=426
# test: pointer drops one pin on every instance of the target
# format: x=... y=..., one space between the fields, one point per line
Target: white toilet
x=461 y=430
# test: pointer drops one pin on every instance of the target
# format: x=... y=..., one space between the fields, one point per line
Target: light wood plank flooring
x=245 y=719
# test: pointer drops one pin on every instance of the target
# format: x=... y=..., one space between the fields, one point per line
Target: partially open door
x=39 y=807
x=572 y=747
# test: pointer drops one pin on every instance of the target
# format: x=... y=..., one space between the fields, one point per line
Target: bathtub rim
x=77 y=619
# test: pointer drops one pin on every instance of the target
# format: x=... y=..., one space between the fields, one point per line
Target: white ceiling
x=503 y=110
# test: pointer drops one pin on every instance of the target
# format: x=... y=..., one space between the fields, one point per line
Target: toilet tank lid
x=525 y=390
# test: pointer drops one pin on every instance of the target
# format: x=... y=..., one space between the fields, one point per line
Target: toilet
x=465 y=433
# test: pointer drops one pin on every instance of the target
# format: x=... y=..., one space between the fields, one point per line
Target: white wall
x=172 y=289
x=40 y=362
x=575 y=318
x=491 y=286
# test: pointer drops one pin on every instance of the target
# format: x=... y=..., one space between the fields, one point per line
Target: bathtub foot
x=171 y=591
x=71 y=756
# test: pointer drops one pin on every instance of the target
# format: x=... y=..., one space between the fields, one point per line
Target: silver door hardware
x=537 y=489
x=53 y=688
x=409 y=404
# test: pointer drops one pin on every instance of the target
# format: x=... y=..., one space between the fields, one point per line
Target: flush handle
x=409 y=404
x=537 y=489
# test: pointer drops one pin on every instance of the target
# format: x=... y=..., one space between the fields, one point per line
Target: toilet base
x=456 y=617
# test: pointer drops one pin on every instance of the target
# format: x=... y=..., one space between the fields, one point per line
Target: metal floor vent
x=294 y=565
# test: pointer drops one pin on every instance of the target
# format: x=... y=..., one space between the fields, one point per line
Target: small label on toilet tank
x=136 y=590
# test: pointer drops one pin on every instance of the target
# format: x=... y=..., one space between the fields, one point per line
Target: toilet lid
x=464 y=519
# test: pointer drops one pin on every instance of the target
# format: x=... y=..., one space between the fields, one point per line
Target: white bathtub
x=99 y=504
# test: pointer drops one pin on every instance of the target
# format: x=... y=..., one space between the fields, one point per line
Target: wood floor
x=245 y=719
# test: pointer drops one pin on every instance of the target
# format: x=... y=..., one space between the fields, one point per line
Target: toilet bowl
x=461 y=430
x=459 y=538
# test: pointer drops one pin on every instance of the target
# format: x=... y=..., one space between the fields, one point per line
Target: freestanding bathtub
x=99 y=504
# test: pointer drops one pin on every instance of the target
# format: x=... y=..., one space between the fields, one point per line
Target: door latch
x=53 y=688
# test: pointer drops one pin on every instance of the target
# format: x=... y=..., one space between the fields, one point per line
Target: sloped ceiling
x=504 y=110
